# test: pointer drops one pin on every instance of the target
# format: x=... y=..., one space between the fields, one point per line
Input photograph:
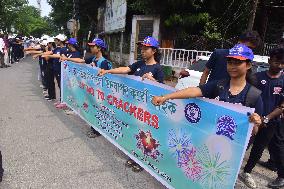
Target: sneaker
x=41 y=86
x=70 y=112
x=92 y=134
x=61 y=106
x=46 y=97
x=247 y=180
x=277 y=183
x=51 y=99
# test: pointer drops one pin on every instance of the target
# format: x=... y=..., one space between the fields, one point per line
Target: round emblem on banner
x=192 y=113
x=226 y=126
x=263 y=82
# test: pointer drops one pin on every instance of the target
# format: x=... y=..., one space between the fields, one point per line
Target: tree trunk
x=252 y=16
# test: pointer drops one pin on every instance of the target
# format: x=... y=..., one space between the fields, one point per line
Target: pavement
x=44 y=148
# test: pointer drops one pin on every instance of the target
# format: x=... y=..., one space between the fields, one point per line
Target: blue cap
x=72 y=41
x=98 y=42
x=150 y=42
x=241 y=52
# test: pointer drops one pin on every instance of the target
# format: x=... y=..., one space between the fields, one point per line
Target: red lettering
x=132 y=109
x=155 y=121
x=147 y=117
x=101 y=95
x=91 y=90
x=82 y=85
x=115 y=102
x=140 y=114
x=109 y=99
x=119 y=105
x=125 y=105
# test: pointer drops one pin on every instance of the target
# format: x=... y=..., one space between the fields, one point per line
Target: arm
x=190 y=92
x=204 y=76
x=51 y=55
x=276 y=112
x=120 y=70
x=31 y=49
x=76 y=60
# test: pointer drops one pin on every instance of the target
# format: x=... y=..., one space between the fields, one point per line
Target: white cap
x=44 y=37
x=50 y=40
x=44 y=42
x=60 y=37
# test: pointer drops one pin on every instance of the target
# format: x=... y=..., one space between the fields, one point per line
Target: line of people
x=228 y=77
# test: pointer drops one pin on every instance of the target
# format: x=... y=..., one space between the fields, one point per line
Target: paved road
x=44 y=148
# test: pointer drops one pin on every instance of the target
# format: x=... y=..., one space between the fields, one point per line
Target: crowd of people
x=227 y=77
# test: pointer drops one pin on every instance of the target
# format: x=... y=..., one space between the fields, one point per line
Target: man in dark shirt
x=216 y=67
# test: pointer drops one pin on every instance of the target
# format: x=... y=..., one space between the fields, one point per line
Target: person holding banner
x=73 y=52
x=55 y=55
x=148 y=68
x=235 y=90
x=99 y=59
x=97 y=47
x=271 y=83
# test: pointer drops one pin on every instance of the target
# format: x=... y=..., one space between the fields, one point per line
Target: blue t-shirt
x=140 y=68
x=209 y=91
x=56 y=61
x=272 y=91
x=105 y=64
x=217 y=64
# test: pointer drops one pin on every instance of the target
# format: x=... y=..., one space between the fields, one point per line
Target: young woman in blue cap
x=73 y=52
x=98 y=48
x=233 y=90
x=148 y=68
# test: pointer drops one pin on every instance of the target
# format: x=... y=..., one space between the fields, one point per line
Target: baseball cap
x=50 y=40
x=43 y=42
x=72 y=41
x=60 y=37
x=150 y=42
x=98 y=42
x=241 y=52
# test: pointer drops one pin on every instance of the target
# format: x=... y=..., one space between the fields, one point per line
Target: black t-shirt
x=140 y=68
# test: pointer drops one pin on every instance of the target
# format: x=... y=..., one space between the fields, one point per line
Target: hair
x=277 y=53
x=157 y=55
x=250 y=36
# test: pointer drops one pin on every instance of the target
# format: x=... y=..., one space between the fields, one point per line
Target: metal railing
x=267 y=47
x=180 y=58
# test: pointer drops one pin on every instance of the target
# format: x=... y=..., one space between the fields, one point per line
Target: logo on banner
x=192 y=113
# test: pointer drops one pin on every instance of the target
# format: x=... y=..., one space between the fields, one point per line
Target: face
x=49 y=45
x=57 y=42
x=276 y=66
x=94 y=49
x=147 y=52
x=237 y=68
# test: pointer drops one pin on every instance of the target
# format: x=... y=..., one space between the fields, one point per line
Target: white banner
x=115 y=15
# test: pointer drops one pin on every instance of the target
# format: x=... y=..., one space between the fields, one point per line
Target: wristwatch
x=265 y=120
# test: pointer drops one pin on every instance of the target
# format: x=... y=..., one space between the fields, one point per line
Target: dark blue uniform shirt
x=140 y=68
x=272 y=91
x=209 y=91
x=217 y=64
